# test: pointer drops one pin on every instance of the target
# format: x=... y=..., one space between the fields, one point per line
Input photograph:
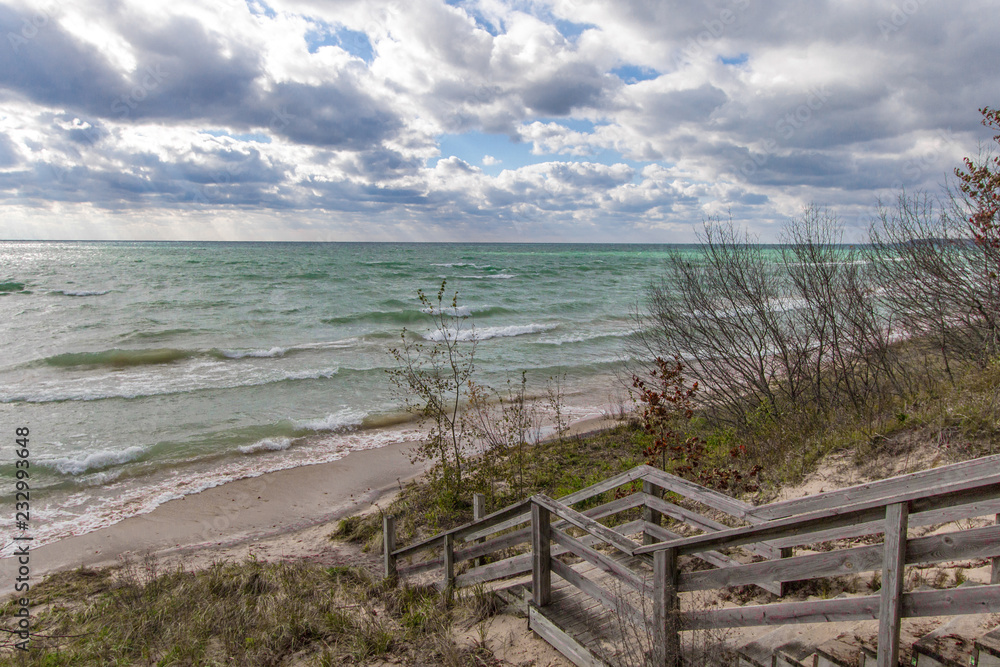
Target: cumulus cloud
x=620 y=120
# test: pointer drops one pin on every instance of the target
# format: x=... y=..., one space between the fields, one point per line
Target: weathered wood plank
x=448 y=549
x=948 y=496
x=715 y=558
x=699 y=493
x=599 y=560
x=995 y=563
x=649 y=515
x=463 y=531
x=523 y=535
x=929 y=518
x=706 y=524
x=422 y=566
x=890 y=604
x=974 y=543
x=563 y=642
x=605 y=598
x=521 y=564
x=478 y=512
x=953 y=602
x=571 y=499
x=926 y=480
x=950 y=602
x=584 y=523
x=389 y=545
x=666 y=631
x=541 y=558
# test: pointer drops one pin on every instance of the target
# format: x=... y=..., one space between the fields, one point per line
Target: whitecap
x=267 y=445
x=495 y=276
x=83 y=292
x=459 y=311
x=334 y=422
x=486 y=333
x=93 y=461
x=261 y=354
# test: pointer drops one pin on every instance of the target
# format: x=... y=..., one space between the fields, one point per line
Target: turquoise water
x=146 y=371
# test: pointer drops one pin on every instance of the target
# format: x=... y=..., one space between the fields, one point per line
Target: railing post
x=785 y=552
x=389 y=544
x=666 y=635
x=995 y=572
x=890 y=604
x=449 y=559
x=478 y=512
x=541 y=555
x=650 y=515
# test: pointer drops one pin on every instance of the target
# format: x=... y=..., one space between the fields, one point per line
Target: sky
x=479 y=120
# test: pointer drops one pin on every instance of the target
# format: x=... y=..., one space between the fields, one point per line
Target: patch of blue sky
x=249 y=136
x=571 y=30
x=575 y=124
x=260 y=8
x=473 y=147
x=635 y=73
x=354 y=42
x=477 y=16
x=739 y=59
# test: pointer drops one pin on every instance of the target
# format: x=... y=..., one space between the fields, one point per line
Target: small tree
x=668 y=405
x=981 y=184
x=434 y=374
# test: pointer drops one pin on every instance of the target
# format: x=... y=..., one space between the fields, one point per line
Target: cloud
x=626 y=120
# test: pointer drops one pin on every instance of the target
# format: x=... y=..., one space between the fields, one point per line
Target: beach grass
x=245 y=613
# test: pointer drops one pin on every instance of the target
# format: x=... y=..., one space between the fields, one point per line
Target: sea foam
x=93 y=461
x=485 y=333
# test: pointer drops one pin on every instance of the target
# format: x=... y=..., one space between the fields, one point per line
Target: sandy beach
x=282 y=514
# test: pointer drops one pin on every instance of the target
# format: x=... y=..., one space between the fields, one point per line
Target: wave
x=93 y=461
x=117 y=358
x=68 y=395
x=11 y=286
x=450 y=265
x=156 y=335
x=267 y=445
x=338 y=421
x=67 y=292
x=494 y=276
x=413 y=316
x=568 y=340
x=485 y=333
x=244 y=354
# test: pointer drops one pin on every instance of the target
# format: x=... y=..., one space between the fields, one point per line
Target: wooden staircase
x=625 y=591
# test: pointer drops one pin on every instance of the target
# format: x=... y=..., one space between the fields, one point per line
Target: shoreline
x=283 y=514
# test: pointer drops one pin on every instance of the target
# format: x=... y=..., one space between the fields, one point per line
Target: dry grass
x=247 y=613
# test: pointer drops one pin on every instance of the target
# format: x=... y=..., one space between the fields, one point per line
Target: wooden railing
x=890 y=507
x=890 y=516
x=509 y=528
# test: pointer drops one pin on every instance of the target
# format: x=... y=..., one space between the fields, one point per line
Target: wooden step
x=787 y=646
x=838 y=653
x=987 y=649
x=952 y=644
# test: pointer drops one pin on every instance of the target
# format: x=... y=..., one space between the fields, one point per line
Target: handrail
x=512 y=515
x=958 y=493
x=924 y=479
x=461 y=531
x=586 y=524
